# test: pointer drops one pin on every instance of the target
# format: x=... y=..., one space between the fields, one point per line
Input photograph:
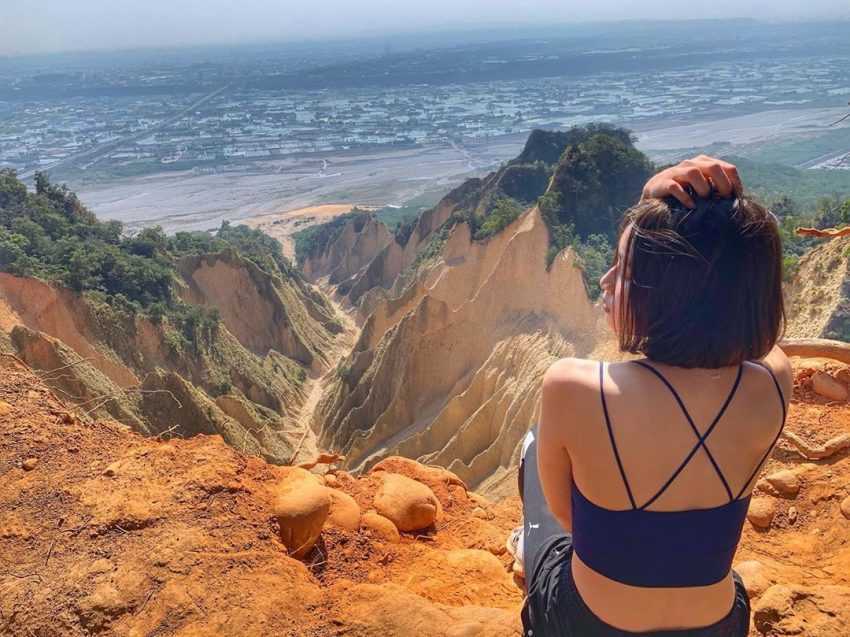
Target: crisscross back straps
x=611 y=434
x=778 y=433
x=701 y=438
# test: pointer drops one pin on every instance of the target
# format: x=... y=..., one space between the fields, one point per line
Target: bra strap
x=778 y=433
x=701 y=438
x=611 y=434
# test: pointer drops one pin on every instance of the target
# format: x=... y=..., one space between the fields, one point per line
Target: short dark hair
x=704 y=284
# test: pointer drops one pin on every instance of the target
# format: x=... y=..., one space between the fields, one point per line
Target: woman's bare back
x=654 y=438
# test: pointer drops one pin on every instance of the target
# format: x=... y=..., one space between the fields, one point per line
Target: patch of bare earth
x=282 y=225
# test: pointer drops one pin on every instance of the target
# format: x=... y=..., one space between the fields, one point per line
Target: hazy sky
x=34 y=26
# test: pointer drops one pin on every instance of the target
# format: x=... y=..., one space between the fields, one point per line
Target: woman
x=637 y=479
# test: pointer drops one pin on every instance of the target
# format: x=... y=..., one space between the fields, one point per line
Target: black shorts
x=553 y=605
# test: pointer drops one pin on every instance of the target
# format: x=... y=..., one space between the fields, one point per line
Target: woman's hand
x=700 y=173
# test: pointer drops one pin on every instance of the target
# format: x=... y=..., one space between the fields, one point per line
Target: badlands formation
x=449 y=371
x=153 y=490
x=248 y=384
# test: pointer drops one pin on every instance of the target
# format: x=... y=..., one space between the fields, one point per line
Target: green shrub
x=503 y=214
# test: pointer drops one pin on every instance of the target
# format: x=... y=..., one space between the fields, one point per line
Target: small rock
x=785 y=482
x=792 y=515
x=828 y=387
x=843 y=375
x=755 y=580
x=29 y=464
x=820 y=492
x=111 y=470
x=409 y=504
x=345 y=512
x=482 y=514
x=5 y=408
x=381 y=526
x=301 y=507
x=845 y=507
x=331 y=480
x=761 y=512
x=775 y=604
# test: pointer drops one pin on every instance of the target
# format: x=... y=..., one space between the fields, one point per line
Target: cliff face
x=818 y=297
x=357 y=244
x=264 y=312
x=247 y=381
x=461 y=315
x=365 y=256
x=449 y=372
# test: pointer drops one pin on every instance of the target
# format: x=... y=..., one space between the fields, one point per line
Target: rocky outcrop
x=62 y=315
x=818 y=297
x=449 y=371
x=360 y=240
x=75 y=378
x=194 y=536
x=263 y=311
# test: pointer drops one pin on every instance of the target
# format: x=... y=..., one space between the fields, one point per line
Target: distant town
x=88 y=122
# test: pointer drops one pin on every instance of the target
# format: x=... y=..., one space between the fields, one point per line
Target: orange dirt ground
x=105 y=532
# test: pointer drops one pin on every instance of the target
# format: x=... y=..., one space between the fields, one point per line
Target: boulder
x=755 y=580
x=344 y=512
x=785 y=482
x=410 y=505
x=300 y=507
x=5 y=408
x=380 y=526
x=776 y=604
x=843 y=375
x=828 y=387
x=761 y=512
x=417 y=471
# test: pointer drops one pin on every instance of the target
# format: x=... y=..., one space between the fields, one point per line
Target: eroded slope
x=245 y=377
x=449 y=372
x=819 y=294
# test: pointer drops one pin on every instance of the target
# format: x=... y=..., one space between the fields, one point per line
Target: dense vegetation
x=583 y=179
x=316 y=239
x=49 y=234
x=772 y=182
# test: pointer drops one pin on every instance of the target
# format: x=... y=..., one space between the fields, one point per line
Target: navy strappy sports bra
x=664 y=548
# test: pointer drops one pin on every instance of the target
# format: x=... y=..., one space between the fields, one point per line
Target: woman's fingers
x=723 y=175
x=692 y=176
x=732 y=174
x=675 y=189
x=701 y=174
x=721 y=182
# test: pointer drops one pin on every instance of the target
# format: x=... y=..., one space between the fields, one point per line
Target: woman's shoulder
x=573 y=368
x=779 y=365
x=574 y=374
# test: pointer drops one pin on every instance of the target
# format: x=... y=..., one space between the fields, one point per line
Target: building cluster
x=223 y=124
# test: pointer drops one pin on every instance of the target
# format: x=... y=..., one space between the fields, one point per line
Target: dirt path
x=315 y=384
